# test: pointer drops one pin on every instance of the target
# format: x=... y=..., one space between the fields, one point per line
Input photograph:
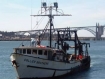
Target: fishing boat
x=41 y=61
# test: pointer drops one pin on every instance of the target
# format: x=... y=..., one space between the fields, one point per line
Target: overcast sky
x=15 y=14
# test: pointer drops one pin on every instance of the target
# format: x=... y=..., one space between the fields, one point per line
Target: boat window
x=45 y=52
x=24 y=51
x=49 y=55
x=14 y=50
x=34 y=51
x=28 y=51
x=50 y=52
x=19 y=51
x=40 y=52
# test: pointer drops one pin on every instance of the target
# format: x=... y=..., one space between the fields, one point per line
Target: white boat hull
x=31 y=67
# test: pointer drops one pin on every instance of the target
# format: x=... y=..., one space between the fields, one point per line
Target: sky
x=15 y=14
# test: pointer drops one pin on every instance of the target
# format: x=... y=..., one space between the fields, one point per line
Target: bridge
x=96 y=30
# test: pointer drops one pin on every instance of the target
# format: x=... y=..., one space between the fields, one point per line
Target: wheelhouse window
x=34 y=51
x=45 y=52
x=40 y=52
x=24 y=51
x=49 y=51
x=19 y=51
x=28 y=51
x=49 y=55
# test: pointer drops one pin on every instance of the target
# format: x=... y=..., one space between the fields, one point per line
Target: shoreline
x=29 y=39
x=45 y=39
x=13 y=40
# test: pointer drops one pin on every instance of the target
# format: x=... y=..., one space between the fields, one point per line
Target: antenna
x=44 y=6
x=56 y=5
x=50 y=15
x=31 y=14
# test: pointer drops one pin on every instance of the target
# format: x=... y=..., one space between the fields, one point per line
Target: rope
x=45 y=29
x=38 y=23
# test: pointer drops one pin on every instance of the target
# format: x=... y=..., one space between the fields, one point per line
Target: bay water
x=96 y=51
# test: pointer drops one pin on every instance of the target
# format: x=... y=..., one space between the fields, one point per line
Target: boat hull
x=28 y=67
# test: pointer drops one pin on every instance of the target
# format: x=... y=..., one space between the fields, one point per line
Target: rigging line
x=42 y=12
x=45 y=29
x=23 y=44
x=53 y=29
x=53 y=25
x=59 y=11
x=45 y=11
x=40 y=19
x=38 y=23
x=46 y=26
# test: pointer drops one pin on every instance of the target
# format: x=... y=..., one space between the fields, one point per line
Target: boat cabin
x=45 y=53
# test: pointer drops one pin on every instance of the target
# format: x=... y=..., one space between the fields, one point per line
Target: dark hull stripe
x=48 y=68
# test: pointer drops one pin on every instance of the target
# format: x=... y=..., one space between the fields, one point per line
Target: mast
x=50 y=15
x=51 y=24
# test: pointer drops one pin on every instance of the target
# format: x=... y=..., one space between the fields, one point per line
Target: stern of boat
x=86 y=63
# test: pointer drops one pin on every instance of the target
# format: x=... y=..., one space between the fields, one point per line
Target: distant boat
x=39 y=61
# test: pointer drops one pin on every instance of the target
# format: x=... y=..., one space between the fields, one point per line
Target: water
x=97 y=52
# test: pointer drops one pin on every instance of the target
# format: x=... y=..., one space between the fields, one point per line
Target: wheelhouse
x=45 y=53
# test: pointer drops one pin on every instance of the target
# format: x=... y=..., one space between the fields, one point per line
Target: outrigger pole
x=50 y=15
